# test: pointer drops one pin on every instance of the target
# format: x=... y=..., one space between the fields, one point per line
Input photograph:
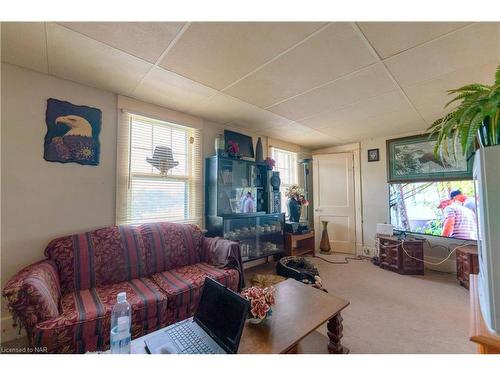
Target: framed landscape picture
x=411 y=159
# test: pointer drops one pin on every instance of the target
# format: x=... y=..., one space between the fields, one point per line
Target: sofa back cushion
x=99 y=257
x=171 y=245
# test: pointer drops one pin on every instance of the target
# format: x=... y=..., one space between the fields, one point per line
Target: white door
x=333 y=188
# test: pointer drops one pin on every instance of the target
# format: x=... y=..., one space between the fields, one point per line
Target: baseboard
x=8 y=332
x=448 y=266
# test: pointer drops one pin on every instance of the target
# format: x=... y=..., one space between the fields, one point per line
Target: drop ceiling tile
x=390 y=38
x=219 y=53
x=366 y=83
x=306 y=137
x=333 y=52
x=146 y=40
x=172 y=90
x=473 y=45
x=224 y=109
x=384 y=115
x=78 y=58
x=430 y=97
x=24 y=44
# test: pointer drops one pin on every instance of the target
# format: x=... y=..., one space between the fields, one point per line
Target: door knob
x=317 y=210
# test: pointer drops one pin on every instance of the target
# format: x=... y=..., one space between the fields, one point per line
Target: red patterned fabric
x=84 y=324
x=33 y=294
x=183 y=285
x=222 y=253
x=171 y=245
x=100 y=257
x=161 y=266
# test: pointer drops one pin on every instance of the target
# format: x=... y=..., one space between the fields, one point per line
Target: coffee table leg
x=335 y=334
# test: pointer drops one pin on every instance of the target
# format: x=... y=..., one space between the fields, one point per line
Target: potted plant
x=474 y=119
x=233 y=149
x=270 y=163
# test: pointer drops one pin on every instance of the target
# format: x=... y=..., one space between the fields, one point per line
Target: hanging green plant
x=474 y=119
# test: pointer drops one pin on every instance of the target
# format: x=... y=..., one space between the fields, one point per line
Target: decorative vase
x=254 y=320
x=294 y=210
x=259 y=153
x=220 y=145
x=324 y=245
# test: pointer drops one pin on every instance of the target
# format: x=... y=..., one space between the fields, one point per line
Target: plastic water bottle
x=120 y=326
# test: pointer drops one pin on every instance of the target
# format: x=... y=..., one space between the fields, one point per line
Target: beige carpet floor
x=392 y=313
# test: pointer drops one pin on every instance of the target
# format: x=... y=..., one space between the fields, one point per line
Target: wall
x=375 y=202
x=375 y=193
x=42 y=200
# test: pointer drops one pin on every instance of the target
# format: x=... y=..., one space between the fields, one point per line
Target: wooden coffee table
x=298 y=311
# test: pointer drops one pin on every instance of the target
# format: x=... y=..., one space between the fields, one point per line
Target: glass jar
x=220 y=144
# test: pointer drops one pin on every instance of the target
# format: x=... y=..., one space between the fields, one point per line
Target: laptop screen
x=222 y=313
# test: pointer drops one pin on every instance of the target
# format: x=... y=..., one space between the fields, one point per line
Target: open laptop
x=215 y=328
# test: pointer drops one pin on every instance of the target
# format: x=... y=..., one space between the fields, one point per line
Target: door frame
x=355 y=149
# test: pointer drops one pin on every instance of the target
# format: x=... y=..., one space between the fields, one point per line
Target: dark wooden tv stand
x=394 y=258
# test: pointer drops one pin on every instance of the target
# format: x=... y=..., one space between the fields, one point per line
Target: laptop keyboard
x=188 y=341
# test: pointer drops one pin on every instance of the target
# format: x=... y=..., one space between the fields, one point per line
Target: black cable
x=345 y=261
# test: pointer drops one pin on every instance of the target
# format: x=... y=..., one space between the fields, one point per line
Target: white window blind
x=286 y=165
x=149 y=195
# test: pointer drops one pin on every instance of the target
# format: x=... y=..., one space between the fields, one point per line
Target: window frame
x=126 y=176
x=293 y=171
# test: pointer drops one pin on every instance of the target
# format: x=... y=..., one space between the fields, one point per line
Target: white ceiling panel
x=303 y=136
x=23 y=44
x=146 y=40
x=333 y=52
x=473 y=45
x=390 y=38
x=312 y=84
x=385 y=114
x=218 y=53
x=366 y=83
x=171 y=90
x=78 y=58
x=224 y=108
x=430 y=97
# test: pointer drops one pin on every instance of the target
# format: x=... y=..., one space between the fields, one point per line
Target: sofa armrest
x=33 y=294
x=223 y=253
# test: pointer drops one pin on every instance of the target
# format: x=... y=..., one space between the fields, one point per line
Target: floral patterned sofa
x=65 y=301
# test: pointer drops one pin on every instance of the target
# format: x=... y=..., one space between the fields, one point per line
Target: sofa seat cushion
x=84 y=324
x=183 y=285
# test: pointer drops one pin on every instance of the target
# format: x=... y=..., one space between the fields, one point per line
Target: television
x=438 y=208
x=486 y=173
x=244 y=142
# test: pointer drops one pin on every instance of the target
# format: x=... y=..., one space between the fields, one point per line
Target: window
x=150 y=195
x=286 y=165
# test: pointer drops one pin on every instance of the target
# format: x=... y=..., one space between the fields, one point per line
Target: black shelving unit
x=230 y=182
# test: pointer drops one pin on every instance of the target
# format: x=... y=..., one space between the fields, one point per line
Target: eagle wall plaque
x=72 y=133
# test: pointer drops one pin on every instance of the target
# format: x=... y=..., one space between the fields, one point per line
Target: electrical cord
x=432 y=263
x=463 y=244
x=345 y=261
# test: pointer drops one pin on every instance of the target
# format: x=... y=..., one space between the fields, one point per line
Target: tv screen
x=444 y=208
